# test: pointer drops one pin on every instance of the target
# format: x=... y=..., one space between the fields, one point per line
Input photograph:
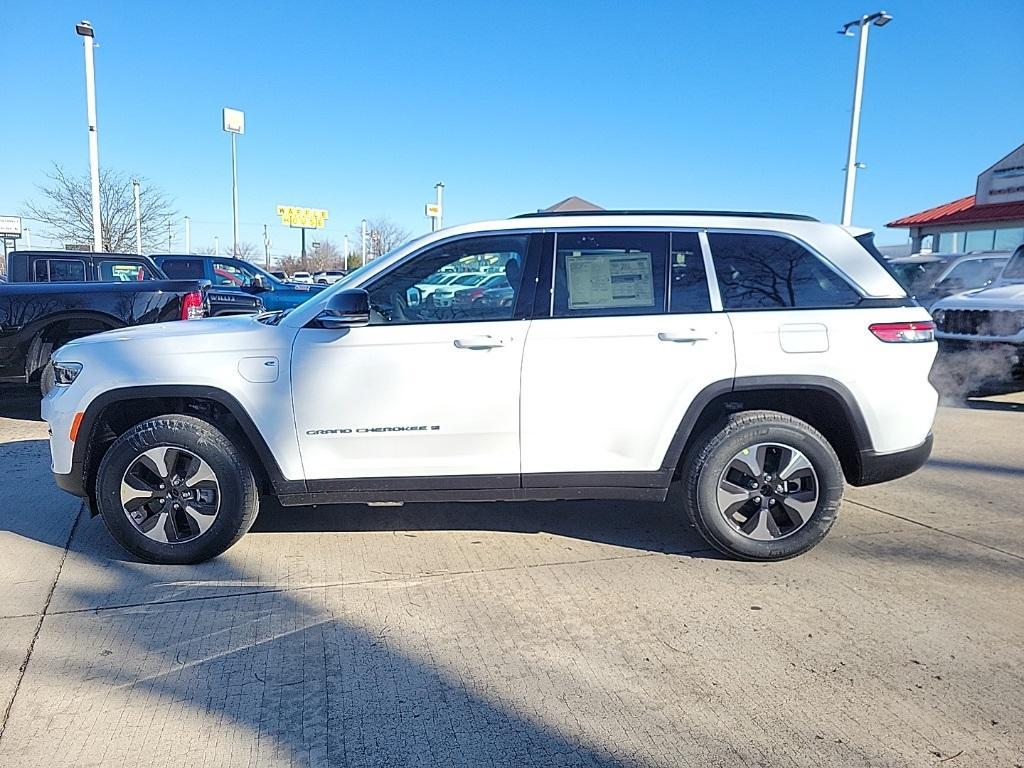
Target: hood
x=1009 y=296
x=213 y=334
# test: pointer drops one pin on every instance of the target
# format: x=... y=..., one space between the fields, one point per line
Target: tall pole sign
x=234 y=123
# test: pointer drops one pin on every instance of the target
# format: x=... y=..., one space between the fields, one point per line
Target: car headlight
x=65 y=374
x=939 y=316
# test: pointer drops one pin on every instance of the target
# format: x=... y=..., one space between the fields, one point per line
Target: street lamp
x=863 y=25
x=85 y=30
x=363 y=240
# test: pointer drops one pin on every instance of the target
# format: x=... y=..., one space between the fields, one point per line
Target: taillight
x=904 y=332
x=192 y=306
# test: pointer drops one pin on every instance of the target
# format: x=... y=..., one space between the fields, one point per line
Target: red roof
x=962 y=211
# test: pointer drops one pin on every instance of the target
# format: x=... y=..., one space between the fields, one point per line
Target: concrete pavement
x=526 y=634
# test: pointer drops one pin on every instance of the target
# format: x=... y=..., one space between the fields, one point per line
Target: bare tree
x=382 y=235
x=245 y=251
x=66 y=210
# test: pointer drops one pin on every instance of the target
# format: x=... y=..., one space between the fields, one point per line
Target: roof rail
x=739 y=214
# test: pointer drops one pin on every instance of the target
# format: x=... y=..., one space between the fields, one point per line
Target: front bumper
x=880 y=468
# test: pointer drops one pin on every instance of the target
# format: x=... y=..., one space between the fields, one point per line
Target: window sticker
x=609 y=279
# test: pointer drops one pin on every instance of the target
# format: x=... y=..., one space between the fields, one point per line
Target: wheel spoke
x=800 y=506
x=732 y=495
x=750 y=462
x=199 y=472
x=133 y=487
x=760 y=525
x=158 y=530
x=797 y=463
x=158 y=458
x=201 y=520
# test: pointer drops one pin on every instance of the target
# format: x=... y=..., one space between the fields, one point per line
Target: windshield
x=1014 y=270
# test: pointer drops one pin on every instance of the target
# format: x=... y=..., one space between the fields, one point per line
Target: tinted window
x=123 y=272
x=773 y=272
x=183 y=269
x=231 y=275
x=610 y=273
x=688 y=280
x=1014 y=269
x=60 y=270
x=487 y=272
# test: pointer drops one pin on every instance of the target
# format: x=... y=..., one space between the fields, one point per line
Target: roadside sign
x=433 y=210
x=234 y=120
x=307 y=218
x=10 y=226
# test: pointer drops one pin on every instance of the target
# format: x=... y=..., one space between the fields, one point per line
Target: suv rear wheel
x=762 y=486
x=176 y=490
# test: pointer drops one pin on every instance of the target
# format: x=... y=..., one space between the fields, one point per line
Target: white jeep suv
x=758 y=359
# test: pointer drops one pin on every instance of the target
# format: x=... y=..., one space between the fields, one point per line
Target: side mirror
x=257 y=284
x=346 y=309
x=413 y=297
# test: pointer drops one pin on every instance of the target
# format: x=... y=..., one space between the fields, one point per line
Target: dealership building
x=992 y=219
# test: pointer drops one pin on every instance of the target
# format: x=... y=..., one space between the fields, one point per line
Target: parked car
x=929 y=277
x=434 y=282
x=64 y=266
x=987 y=320
x=621 y=363
x=302 y=277
x=39 y=317
x=328 y=277
x=444 y=295
x=282 y=276
x=237 y=276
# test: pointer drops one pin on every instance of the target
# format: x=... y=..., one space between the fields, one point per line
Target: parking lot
x=597 y=633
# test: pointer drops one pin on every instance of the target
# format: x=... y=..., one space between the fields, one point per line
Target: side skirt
x=577 y=493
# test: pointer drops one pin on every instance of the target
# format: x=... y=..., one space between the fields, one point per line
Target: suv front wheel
x=762 y=486
x=176 y=490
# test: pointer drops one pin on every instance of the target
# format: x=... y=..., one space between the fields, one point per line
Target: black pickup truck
x=38 y=317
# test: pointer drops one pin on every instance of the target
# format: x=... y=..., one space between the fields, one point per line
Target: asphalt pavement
x=597 y=633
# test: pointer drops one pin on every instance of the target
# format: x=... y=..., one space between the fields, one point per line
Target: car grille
x=983 y=322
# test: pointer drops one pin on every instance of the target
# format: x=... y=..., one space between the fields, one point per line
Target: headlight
x=65 y=373
x=939 y=316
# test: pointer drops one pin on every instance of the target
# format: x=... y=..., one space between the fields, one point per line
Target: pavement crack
x=361 y=582
x=936 y=529
x=39 y=623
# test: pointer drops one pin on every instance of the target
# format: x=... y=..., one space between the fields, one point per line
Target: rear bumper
x=880 y=468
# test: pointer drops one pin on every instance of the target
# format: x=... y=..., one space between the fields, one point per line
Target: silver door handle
x=681 y=338
x=479 y=342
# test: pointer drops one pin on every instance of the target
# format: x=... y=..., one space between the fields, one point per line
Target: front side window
x=1014 y=269
x=465 y=280
x=610 y=273
x=772 y=272
x=229 y=275
x=60 y=270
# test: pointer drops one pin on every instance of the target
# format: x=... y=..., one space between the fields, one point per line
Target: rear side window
x=122 y=272
x=183 y=269
x=773 y=272
x=59 y=270
x=610 y=273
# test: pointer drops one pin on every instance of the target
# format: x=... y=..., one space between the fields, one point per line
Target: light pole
x=188 y=235
x=138 y=217
x=216 y=245
x=363 y=239
x=234 y=123
x=266 y=247
x=439 y=188
x=863 y=25
x=85 y=30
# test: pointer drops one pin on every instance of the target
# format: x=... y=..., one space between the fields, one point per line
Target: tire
x=792 y=506
x=204 y=471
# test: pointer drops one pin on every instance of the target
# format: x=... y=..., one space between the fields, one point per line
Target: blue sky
x=361 y=107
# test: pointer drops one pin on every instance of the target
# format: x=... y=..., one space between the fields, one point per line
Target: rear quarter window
x=762 y=271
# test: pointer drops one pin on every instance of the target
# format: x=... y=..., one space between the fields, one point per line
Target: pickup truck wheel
x=763 y=486
x=176 y=490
